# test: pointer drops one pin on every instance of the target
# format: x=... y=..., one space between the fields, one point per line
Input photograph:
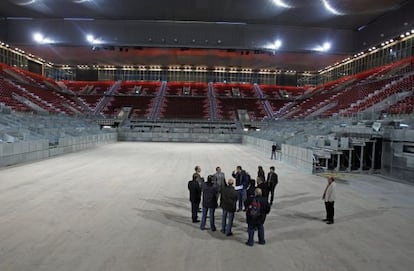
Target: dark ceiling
x=212 y=27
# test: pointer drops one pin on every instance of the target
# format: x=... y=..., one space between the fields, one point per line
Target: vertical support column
x=373 y=156
x=338 y=162
x=350 y=160
x=361 y=162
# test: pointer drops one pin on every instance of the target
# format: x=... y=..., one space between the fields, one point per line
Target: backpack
x=254 y=209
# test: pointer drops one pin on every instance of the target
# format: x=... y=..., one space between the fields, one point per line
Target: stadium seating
x=185 y=108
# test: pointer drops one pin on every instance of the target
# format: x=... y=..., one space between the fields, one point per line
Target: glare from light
x=281 y=3
x=29 y=2
x=38 y=37
x=90 y=38
x=326 y=46
x=412 y=31
x=274 y=46
x=330 y=8
x=402 y=36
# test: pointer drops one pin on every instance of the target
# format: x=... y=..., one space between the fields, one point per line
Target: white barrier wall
x=298 y=157
x=178 y=137
x=21 y=152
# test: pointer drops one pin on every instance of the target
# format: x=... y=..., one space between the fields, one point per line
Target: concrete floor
x=125 y=206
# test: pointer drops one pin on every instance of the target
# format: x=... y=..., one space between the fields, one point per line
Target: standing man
x=272 y=181
x=195 y=197
x=219 y=181
x=241 y=185
x=274 y=147
x=209 y=203
x=228 y=203
x=257 y=208
x=198 y=173
x=329 y=196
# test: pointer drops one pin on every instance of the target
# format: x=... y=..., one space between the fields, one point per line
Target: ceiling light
x=326 y=46
x=38 y=37
x=330 y=8
x=402 y=36
x=281 y=3
x=407 y=33
x=90 y=38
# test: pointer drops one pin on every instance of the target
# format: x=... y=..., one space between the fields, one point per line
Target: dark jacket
x=272 y=178
x=229 y=198
x=241 y=178
x=265 y=189
x=209 y=195
x=264 y=210
x=195 y=191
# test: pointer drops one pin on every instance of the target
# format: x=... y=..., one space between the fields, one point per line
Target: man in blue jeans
x=228 y=203
x=257 y=208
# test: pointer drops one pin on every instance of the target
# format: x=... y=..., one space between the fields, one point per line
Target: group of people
x=240 y=193
x=243 y=193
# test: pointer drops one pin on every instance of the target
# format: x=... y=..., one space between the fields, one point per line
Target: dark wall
x=34 y=67
x=86 y=75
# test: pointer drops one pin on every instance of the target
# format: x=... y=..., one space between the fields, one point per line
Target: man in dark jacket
x=272 y=181
x=209 y=203
x=228 y=203
x=242 y=183
x=195 y=197
x=256 y=221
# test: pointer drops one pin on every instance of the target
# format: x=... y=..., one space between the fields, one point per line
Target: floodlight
x=38 y=37
x=330 y=8
x=90 y=38
x=281 y=3
x=326 y=46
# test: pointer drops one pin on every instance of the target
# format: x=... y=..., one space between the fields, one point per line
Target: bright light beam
x=330 y=8
x=282 y=4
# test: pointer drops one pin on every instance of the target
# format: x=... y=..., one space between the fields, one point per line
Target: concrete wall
x=179 y=137
x=26 y=151
x=298 y=157
x=395 y=162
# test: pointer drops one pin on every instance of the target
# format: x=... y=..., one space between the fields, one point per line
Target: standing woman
x=261 y=173
x=329 y=196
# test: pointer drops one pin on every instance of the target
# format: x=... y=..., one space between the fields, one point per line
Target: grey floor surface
x=125 y=206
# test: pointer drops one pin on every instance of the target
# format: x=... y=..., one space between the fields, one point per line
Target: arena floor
x=125 y=206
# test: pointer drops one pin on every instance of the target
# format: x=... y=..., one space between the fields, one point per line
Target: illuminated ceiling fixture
x=325 y=47
x=281 y=3
x=274 y=46
x=330 y=8
x=92 y=40
x=26 y=3
x=40 y=38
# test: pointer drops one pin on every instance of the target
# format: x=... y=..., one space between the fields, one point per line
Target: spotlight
x=38 y=37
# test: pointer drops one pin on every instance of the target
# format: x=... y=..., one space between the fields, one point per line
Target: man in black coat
x=257 y=208
x=272 y=181
x=209 y=203
x=229 y=198
x=242 y=182
x=195 y=196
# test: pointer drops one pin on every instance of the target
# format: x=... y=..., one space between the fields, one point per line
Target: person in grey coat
x=229 y=198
